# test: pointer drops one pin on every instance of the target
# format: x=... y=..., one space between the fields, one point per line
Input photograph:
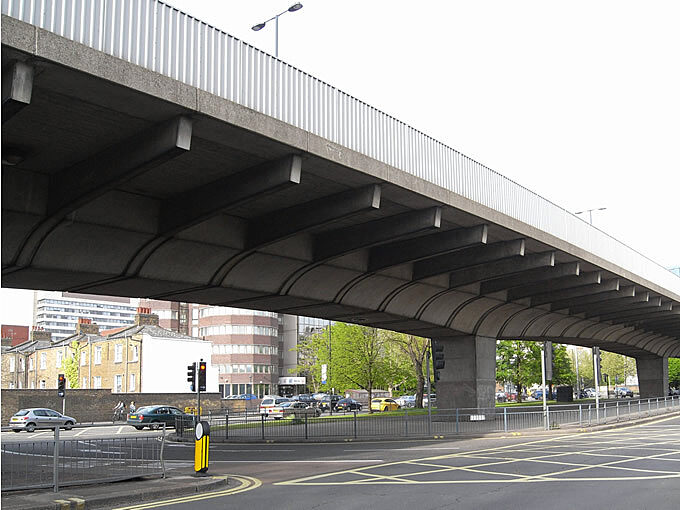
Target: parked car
x=154 y=416
x=622 y=392
x=384 y=404
x=590 y=392
x=501 y=396
x=247 y=396
x=328 y=401
x=39 y=418
x=538 y=395
x=304 y=397
x=511 y=396
x=348 y=404
x=406 y=401
x=432 y=397
x=268 y=403
x=297 y=410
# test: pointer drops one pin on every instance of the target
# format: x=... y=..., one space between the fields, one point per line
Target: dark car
x=154 y=417
x=305 y=397
x=623 y=392
x=348 y=404
x=329 y=400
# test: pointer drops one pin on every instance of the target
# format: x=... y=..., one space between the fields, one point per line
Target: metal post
x=457 y=422
x=617 y=410
x=580 y=415
x=306 y=432
x=429 y=392
x=596 y=377
x=263 y=427
x=226 y=425
x=545 y=403
x=56 y=459
x=505 y=419
x=63 y=404
x=276 y=44
x=355 y=424
x=406 y=422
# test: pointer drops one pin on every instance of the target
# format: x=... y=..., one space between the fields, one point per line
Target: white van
x=269 y=402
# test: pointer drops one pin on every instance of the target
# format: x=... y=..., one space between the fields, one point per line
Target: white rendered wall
x=164 y=364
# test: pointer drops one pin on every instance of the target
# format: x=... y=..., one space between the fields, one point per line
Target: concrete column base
x=468 y=379
x=652 y=372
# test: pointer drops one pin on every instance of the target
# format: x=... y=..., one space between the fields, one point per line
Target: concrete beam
x=650 y=306
x=196 y=205
x=17 y=88
x=652 y=373
x=613 y=304
x=335 y=243
x=297 y=219
x=413 y=250
x=538 y=274
x=542 y=290
x=75 y=186
x=605 y=291
x=468 y=257
x=661 y=312
x=505 y=267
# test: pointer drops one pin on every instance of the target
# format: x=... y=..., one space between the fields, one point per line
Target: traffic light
x=61 y=385
x=191 y=376
x=201 y=375
x=437 y=358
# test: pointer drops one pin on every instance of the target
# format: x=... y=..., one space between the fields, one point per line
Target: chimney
x=85 y=327
x=144 y=317
x=40 y=334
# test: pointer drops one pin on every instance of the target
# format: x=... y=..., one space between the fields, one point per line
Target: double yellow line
x=246 y=483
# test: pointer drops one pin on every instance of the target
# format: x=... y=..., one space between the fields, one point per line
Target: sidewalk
x=112 y=495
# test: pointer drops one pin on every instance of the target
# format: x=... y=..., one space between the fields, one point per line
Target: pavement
x=111 y=495
x=182 y=483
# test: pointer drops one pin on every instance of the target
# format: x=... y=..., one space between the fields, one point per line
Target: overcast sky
x=577 y=101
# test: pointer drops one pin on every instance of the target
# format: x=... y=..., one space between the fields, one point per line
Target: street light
x=295 y=7
x=590 y=213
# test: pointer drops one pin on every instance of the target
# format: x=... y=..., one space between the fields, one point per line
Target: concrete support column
x=468 y=379
x=652 y=372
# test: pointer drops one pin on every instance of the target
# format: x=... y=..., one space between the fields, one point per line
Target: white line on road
x=403 y=449
x=81 y=432
x=300 y=461
x=120 y=429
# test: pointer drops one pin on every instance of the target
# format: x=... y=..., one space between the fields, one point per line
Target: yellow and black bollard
x=202 y=447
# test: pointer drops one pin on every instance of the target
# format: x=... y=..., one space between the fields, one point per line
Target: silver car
x=39 y=418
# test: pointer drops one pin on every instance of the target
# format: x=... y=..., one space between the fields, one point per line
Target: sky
x=577 y=101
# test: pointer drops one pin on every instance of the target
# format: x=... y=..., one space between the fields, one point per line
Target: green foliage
x=71 y=365
x=563 y=369
x=618 y=367
x=412 y=353
x=674 y=372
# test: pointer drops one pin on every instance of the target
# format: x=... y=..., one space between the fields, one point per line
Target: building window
x=135 y=353
x=60 y=358
x=12 y=363
x=133 y=382
x=97 y=381
x=118 y=384
x=83 y=358
x=84 y=384
x=42 y=384
x=98 y=356
x=22 y=364
x=43 y=360
x=30 y=364
x=11 y=386
x=118 y=353
x=32 y=385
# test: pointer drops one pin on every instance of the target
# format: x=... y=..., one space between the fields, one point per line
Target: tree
x=415 y=349
x=359 y=357
x=71 y=364
x=674 y=372
x=617 y=367
x=312 y=353
x=518 y=362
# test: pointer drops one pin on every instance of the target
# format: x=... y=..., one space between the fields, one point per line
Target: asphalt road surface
x=635 y=467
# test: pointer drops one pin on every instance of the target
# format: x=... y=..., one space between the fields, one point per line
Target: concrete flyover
x=121 y=180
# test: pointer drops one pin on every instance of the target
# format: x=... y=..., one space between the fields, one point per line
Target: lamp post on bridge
x=590 y=213
x=295 y=7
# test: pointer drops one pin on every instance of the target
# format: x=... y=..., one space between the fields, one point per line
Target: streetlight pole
x=295 y=7
x=590 y=213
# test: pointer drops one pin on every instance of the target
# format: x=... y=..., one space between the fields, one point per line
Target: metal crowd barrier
x=61 y=462
x=417 y=423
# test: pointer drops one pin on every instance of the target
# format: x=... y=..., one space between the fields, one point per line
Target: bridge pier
x=469 y=377
x=652 y=372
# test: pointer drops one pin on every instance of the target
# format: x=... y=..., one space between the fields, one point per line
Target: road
x=635 y=467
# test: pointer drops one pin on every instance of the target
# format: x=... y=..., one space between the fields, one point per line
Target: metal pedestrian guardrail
x=61 y=462
x=417 y=423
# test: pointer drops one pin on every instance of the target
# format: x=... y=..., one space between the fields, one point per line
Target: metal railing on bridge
x=417 y=423
x=61 y=462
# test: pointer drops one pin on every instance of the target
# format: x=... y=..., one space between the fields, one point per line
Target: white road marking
x=301 y=461
x=404 y=449
x=79 y=433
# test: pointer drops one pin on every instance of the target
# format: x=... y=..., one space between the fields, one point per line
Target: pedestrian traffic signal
x=191 y=376
x=201 y=375
x=437 y=358
x=61 y=385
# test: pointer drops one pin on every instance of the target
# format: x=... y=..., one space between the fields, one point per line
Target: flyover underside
x=119 y=181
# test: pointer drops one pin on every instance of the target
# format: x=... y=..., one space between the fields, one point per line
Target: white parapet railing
x=163 y=39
